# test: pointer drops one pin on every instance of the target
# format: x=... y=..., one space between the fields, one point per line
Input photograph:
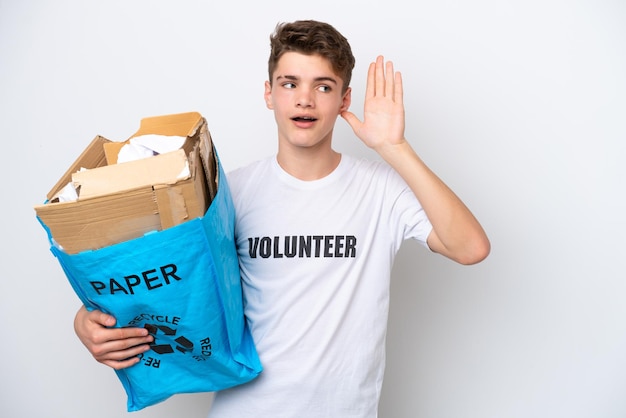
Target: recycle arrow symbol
x=182 y=344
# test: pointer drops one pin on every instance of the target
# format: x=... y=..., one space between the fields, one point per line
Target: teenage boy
x=317 y=232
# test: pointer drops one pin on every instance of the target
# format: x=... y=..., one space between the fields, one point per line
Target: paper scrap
x=148 y=145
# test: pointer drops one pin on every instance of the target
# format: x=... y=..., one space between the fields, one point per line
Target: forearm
x=457 y=233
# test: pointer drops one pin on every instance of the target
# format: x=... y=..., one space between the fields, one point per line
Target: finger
x=354 y=122
x=370 y=88
x=128 y=332
x=389 y=80
x=104 y=341
x=128 y=338
x=102 y=318
x=121 y=364
x=95 y=316
x=351 y=118
x=121 y=350
x=399 y=90
x=380 y=76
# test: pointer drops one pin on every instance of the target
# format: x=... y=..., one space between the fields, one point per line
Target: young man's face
x=306 y=96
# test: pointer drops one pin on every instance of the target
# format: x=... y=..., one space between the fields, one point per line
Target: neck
x=308 y=164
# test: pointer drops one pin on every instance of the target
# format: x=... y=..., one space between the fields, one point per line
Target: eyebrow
x=316 y=79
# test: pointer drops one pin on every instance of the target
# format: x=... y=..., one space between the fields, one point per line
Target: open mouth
x=303 y=119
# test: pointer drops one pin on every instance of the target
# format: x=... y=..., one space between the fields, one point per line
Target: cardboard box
x=119 y=202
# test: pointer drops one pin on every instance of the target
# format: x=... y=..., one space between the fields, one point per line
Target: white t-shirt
x=316 y=259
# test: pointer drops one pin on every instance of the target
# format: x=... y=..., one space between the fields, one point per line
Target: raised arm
x=456 y=232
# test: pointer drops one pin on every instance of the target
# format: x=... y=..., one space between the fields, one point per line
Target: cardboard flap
x=111 y=151
x=179 y=124
x=92 y=157
x=166 y=168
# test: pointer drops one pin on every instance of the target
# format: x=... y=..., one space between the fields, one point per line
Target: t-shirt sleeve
x=408 y=220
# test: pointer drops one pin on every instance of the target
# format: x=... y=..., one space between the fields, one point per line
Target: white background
x=520 y=106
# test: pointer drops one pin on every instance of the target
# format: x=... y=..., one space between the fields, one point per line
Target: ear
x=346 y=100
x=268 y=95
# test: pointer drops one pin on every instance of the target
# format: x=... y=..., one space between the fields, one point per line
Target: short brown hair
x=311 y=37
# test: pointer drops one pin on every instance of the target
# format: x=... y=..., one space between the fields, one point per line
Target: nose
x=305 y=98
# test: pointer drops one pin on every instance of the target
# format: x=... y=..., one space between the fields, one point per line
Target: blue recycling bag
x=183 y=285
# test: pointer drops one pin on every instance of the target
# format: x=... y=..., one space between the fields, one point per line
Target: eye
x=324 y=88
x=288 y=85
